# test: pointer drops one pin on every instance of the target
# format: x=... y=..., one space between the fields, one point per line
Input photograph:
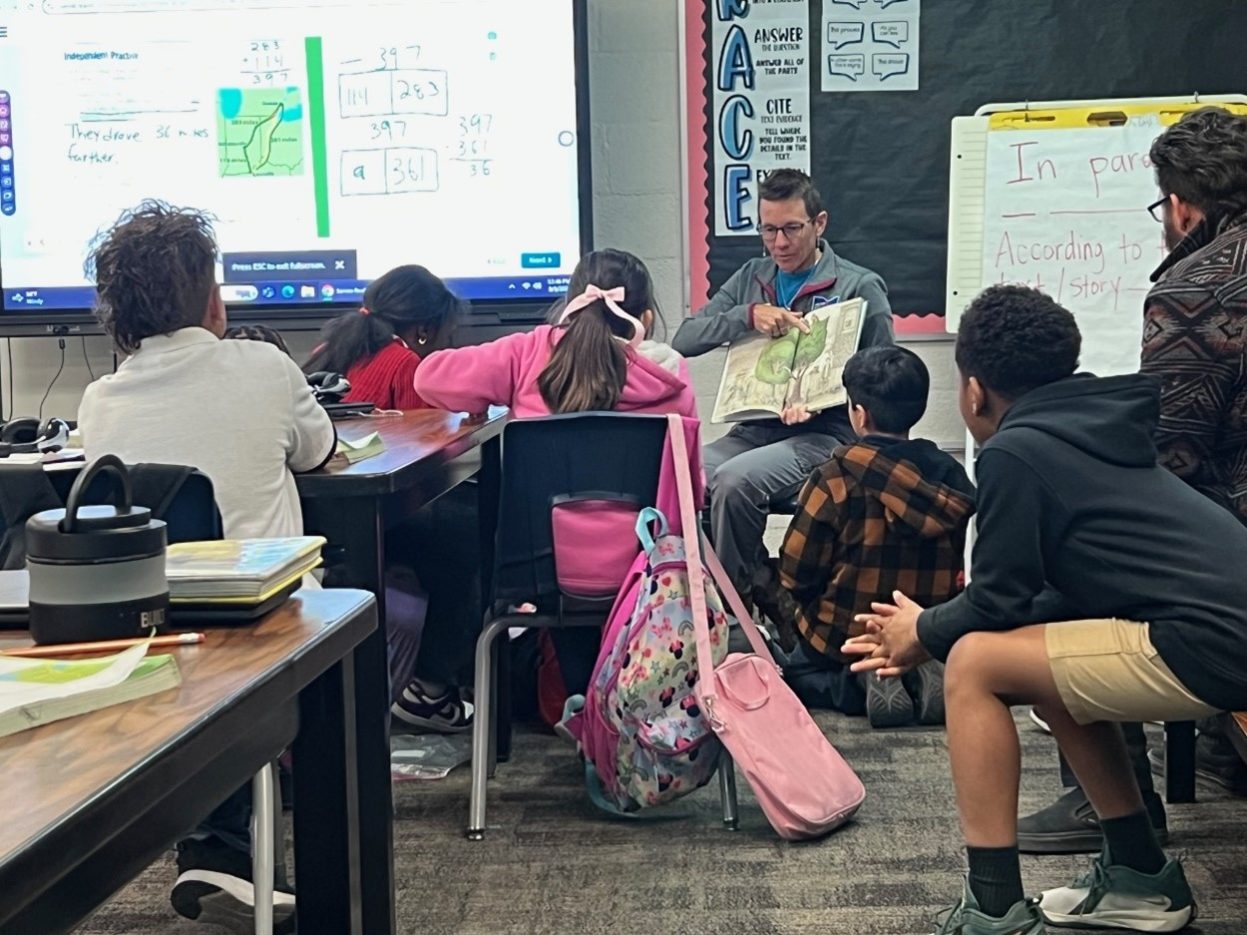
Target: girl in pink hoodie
x=596 y=357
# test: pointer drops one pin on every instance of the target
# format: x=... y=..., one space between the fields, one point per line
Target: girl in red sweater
x=407 y=313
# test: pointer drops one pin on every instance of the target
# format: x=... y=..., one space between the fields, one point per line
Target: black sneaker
x=888 y=703
x=446 y=713
x=1212 y=764
x=214 y=886
x=1070 y=826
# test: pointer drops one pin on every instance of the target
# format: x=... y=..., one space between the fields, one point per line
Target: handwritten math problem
x=395 y=108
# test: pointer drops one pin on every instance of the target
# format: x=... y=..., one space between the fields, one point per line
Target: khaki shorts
x=1108 y=670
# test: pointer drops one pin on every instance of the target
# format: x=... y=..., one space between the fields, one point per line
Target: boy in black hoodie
x=885 y=513
x=1076 y=522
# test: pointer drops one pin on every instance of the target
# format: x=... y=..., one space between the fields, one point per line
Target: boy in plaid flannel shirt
x=885 y=513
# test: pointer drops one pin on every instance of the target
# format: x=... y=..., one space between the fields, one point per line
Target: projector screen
x=331 y=139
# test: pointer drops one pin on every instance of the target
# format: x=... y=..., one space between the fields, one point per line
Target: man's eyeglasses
x=1156 y=209
x=769 y=231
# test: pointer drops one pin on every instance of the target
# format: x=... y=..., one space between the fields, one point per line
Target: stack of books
x=239 y=571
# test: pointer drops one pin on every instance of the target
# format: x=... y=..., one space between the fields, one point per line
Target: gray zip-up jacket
x=729 y=313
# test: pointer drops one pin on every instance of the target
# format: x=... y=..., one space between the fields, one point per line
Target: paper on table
x=25 y=681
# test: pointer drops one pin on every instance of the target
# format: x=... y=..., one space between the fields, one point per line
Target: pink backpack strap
x=697 y=582
x=668 y=498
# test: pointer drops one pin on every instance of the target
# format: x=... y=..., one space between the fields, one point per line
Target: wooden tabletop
x=63 y=771
x=415 y=442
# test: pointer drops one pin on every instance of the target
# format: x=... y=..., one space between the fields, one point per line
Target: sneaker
x=888 y=703
x=1039 y=722
x=966 y=918
x=925 y=685
x=1120 y=898
x=214 y=886
x=446 y=713
x=1070 y=826
x=1215 y=761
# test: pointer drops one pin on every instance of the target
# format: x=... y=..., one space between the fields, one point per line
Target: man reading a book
x=760 y=462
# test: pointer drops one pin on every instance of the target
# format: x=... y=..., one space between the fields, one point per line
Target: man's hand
x=777 y=322
x=795 y=414
x=890 y=645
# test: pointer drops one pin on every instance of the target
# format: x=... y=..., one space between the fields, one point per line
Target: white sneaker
x=1040 y=722
x=1117 y=897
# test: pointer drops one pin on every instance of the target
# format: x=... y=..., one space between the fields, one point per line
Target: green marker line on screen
x=316 y=117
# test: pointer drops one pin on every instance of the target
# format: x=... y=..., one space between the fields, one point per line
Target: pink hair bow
x=612 y=298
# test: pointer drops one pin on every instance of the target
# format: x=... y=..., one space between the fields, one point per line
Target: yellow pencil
x=105 y=646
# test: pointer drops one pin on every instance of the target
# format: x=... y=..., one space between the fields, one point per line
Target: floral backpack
x=644 y=737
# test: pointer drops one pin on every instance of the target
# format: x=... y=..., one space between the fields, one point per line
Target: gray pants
x=746 y=470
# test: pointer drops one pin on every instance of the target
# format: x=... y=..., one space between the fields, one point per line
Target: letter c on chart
x=737 y=140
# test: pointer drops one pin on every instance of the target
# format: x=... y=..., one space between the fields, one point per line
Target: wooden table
x=428 y=452
x=90 y=801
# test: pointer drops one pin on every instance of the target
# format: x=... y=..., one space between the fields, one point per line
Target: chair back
x=191 y=514
x=572 y=486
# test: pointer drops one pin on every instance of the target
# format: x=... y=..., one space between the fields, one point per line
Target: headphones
x=28 y=436
x=328 y=387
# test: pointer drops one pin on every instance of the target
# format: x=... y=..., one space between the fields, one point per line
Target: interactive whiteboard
x=332 y=140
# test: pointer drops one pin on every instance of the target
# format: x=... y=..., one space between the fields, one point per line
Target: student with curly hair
x=240 y=411
x=1076 y=522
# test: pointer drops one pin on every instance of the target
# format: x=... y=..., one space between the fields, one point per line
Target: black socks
x=1130 y=841
x=996 y=878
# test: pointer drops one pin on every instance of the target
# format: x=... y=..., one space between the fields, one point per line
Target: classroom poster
x=870 y=45
x=761 y=102
x=1065 y=212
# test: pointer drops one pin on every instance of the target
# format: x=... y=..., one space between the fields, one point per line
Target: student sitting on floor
x=884 y=513
x=241 y=412
x=407 y=313
x=1076 y=522
x=596 y=357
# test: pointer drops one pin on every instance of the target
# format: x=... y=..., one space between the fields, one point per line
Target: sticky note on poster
x=870 y=46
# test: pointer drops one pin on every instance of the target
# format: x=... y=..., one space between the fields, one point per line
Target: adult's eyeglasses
x=770 y=231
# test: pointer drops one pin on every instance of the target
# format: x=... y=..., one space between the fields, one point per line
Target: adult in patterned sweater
x=1195 y=343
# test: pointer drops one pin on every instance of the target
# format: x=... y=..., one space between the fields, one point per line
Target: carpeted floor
x=550 y=864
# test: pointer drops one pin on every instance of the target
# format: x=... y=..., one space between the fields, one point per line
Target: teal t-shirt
x=787 y=285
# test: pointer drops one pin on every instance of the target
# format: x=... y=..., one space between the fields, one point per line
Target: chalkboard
x=881 y=159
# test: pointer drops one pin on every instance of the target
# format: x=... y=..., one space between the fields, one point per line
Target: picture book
x=763 y=375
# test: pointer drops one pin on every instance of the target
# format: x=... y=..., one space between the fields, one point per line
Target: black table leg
x=1179 y=761
x=359 y=526
x=326 y=819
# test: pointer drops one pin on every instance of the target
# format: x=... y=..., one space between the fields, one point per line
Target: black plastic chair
x=546 y=463
x=191 y=516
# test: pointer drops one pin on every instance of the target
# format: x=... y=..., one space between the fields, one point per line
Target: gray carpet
x=550 y=864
